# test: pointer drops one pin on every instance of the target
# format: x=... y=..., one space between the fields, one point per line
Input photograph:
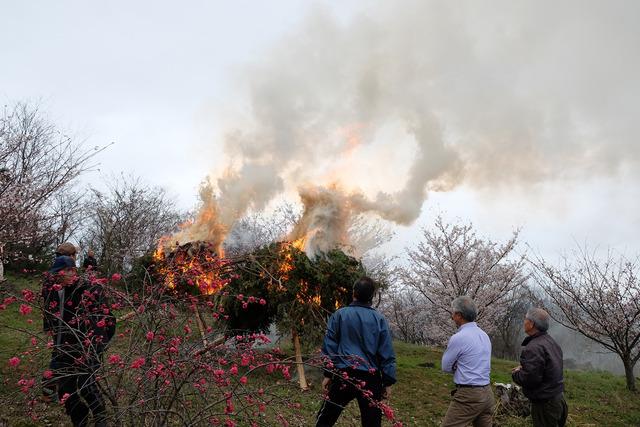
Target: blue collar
x=360 y=304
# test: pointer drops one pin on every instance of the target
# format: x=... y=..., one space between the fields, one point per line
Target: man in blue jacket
x=358 y=342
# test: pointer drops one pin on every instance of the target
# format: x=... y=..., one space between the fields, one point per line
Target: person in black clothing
x=90 y=261
x=77 y=316
x=540 y=372
x=358 y=342
x=64 y=263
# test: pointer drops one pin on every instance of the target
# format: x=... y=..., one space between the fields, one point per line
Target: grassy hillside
x=420 y=398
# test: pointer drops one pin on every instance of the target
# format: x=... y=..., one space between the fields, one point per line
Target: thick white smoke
x=481 y=93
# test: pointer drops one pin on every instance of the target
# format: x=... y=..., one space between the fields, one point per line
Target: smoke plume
x=422 y=96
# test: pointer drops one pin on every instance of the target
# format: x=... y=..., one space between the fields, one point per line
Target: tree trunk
x=628 y=371
x=1 y=262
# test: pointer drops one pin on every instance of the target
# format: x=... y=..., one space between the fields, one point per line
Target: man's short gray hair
x=539 y=317
x=466 y=307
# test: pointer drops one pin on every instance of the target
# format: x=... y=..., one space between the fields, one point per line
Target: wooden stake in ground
x=201 y=326
x=296 y=345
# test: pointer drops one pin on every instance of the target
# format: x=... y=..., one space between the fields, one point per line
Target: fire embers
x=193 y=268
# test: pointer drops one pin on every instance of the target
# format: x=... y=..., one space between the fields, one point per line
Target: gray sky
x=537 y=100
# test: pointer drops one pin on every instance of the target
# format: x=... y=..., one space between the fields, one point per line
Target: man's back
x=358 y=342
x=541 y=375
x=358 y=336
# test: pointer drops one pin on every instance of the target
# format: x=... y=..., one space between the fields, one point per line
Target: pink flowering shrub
x=171 y=360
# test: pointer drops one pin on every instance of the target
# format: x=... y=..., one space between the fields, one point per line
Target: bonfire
x=295 y=293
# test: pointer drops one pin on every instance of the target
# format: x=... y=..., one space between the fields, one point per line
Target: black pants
x=341 y=392
x=84 y=396
x=552 y=413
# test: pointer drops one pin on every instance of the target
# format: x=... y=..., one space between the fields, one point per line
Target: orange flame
x=200 y=269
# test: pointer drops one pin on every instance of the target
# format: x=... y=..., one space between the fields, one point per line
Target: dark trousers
x=84 y=397
x=341 y=392
x=551 y=413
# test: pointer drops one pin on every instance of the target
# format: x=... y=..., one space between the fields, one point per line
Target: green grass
x=420 y=397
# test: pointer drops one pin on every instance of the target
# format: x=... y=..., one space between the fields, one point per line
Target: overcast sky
x=539 y=100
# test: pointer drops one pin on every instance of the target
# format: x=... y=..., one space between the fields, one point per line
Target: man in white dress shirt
x=468 y=358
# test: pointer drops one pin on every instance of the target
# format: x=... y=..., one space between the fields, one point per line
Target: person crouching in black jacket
x=78 y=318
x=541 y=372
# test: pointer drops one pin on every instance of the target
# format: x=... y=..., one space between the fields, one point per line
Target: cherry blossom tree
x=404 y=310
x=126 y=221
x=599 y=297
x=452 y=261
x=37 y=163
x=259 y=229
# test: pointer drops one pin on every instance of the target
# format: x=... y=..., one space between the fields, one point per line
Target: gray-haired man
x=468 y=358
x=540 y=372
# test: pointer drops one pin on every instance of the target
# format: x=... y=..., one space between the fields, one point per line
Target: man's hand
x=386 y=393
x=516 y=369
x=326 y=382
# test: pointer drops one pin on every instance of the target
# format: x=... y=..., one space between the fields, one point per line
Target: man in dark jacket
x=77 y=317
x=358 y=342
x=540 y=372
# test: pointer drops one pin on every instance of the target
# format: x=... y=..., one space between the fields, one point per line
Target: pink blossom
x=26 y=384
x=233 y=370
x=229 y=409
x=138 y=363
x=25 y=309
x=28 y=295
x=115 y=359
x=64 y=398
x=101 y=324
x=263 y=301
x=388 y=412
x=150 y=335
x=47 y=374
x=14 y=361
x=243 y=380
x=116 y=277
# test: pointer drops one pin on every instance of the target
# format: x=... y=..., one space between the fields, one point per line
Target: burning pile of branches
x=194 y=268
x=299 y=293
x=275 y=284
